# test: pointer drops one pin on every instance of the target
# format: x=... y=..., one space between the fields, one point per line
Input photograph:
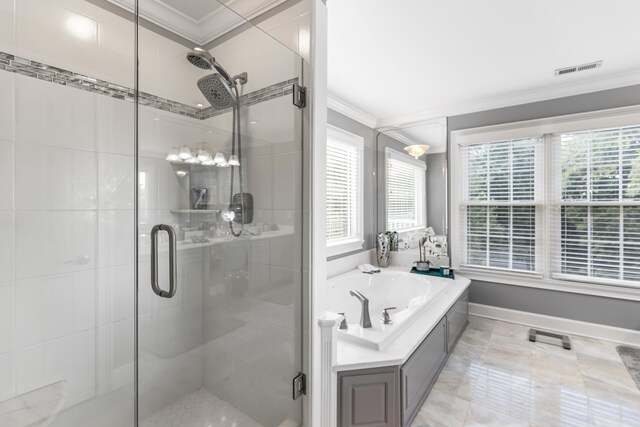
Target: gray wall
x=607 y=311
x=437 y=192
x=369 y=202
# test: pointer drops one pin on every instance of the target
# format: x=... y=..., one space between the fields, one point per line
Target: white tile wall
x=115 y=126
x=7 y=317
x=71 y=358
x=49 y=243
x=115 y=353
x=72 y=252
x=52 y=114
x=147 y=184
x=42 y=34
x=7 y=384
x=6 y=176
x=115 y=237
x=6 y=100
x=7 y=42
x=6 y=247
x=115 y=181
x=54 y=307
x=116 y=291
x=52 y=178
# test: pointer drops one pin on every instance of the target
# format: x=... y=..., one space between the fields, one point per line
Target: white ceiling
x=406 y=61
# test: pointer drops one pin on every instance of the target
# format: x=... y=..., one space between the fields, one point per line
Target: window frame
x=545 y=278
x=350 y=244
x=390 y=153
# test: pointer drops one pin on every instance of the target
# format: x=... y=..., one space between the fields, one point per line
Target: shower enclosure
x=150 y=212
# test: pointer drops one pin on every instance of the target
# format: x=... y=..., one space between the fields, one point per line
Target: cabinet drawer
x=457 y=319
x=421 y=370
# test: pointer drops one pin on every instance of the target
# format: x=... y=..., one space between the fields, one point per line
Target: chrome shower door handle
x=173 y=270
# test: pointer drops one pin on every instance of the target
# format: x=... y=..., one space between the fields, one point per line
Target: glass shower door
x=219 y=224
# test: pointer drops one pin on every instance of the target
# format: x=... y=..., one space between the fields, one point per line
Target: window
x=406 y=192
x=344 y=191
x=599 y=204
x=499 y=204
x=575 y=227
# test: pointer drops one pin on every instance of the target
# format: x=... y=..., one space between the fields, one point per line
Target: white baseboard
x=558 y=324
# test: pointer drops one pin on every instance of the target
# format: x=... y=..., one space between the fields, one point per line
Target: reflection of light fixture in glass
x=204 y=156
x=82 y=27
x=209 y=162
x=192 y=160
x=416 y=150
x=173 y=155
x=220 y=160
x=227 y=215
x=182 y=174
x=233 y=160
x=185 y=153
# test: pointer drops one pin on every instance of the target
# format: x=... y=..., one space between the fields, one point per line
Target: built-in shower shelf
x=197 y=211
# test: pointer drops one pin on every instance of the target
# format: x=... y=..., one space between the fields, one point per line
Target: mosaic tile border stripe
x=40 y=71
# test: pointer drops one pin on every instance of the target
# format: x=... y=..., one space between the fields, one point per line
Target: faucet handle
x=386 y=319
x=343 y=323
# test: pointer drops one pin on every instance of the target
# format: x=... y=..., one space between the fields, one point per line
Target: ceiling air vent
x=576 y=68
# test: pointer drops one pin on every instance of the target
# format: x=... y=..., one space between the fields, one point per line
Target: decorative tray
x=433 y=272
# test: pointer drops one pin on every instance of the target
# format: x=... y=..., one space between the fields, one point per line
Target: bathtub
x=411 y=294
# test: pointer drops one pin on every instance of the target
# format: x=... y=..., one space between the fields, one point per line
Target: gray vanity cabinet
x=419 y=372
x=369 y=398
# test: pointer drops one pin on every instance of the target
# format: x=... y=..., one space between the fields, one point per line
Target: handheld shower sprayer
x=221 y=90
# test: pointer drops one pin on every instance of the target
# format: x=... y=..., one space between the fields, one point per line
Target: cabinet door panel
x=457 y=319
x=420 y=371
x=369 y=400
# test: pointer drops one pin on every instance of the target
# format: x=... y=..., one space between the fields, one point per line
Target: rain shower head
x=203 y=59
x=216 y=89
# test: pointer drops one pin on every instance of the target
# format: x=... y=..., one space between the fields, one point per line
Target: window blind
x=344 y=171
x=499 y=203
x=406 y=192
x=597 y=210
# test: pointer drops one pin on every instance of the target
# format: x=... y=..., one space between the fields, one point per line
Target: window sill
x=344 y=247
x=534 y=281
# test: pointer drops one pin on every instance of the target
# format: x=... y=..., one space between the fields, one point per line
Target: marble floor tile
x=496 y=377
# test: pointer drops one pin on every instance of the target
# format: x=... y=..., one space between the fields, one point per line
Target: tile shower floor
x=496 y=377
x=199 y=409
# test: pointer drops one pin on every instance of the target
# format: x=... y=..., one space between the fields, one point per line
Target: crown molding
x=490 y=103
x=343 y=107
x=401 y=137
x=524 y=97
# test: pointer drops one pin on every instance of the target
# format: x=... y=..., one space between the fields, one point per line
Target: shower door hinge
x=299 y=96
x=299 y=385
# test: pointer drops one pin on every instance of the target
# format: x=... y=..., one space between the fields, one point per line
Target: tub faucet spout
x=365 y=320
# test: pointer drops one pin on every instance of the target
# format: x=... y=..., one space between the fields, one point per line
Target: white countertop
x=352 y=356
